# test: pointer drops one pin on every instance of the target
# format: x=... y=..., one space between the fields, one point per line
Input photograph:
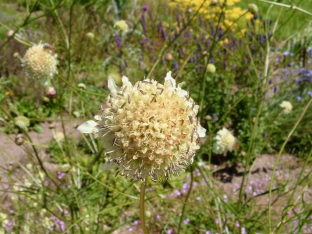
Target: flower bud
x=90 y=35
x=10 y=33
x=22 y=122
x=253 y=8
x=211 y=68
x=76 y=114
x=168 y=56
x=208 y=117
x=214 y=2
x=51 y=92
x=19 y=139
x=51 y=125
x=82 y=86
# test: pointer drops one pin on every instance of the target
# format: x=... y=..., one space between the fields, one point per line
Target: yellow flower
x=224 y=141
x=149 y=129
x=121 y=25
x=40 y=62
x=287 y=107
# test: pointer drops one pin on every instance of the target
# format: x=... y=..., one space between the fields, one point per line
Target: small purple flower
x=244 y=230
x=214 y=117
x=310 y=93
x=145 y=7
x=208 y=232
x=185 y=222
x=177 y=192
x=131 y=229
x=158 y=216
x=198 y=198
x=62 y=225
x=217 y=221
x=169 y=231
x=118 y=40
x=135 y=223
x=299 y=98
x=237 y=224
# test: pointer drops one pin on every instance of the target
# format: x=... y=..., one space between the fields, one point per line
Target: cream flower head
x=287 y=107
x=149 y=129
x=224 y=141
x=121 y=25
x=22 y=122
x=40 y=62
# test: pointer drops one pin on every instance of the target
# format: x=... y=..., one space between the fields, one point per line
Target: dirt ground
x=230 y=178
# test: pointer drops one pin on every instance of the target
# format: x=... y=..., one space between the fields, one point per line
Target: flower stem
x=142 y=211
x=186 y=198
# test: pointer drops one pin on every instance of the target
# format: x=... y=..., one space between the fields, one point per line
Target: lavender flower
x=186 y=221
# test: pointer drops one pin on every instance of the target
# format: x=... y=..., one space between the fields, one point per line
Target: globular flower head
x=22 y=122
x=287 y=107
x=40 y=62
x=224 y=141
x=121 y=25
x=211 y=68
x=149 y=129
x=253 y=8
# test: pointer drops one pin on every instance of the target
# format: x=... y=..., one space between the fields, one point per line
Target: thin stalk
x=278 y=158
x=186 y=198
x=142 y=211
x=78 y=89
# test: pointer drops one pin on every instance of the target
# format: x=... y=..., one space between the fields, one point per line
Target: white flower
x=149 y=129
x=224 y=141
x=287 y=107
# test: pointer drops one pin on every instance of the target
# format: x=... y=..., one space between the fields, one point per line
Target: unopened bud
x=51 y=92
x=51 y=125
x=168 y=56
x=19 y=139
x=243 y=153
x=253 y=8
x=208 y=117
x=90 y=35
x=82 y=86
x=211 y=68
x=10 y=33
x=214 y=2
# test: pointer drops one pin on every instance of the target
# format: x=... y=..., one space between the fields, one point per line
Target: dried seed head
x=145 y=137
x=40 y=63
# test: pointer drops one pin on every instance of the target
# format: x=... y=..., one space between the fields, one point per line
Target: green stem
x=278 y=158
x=142 y=211
x=78 y=89
x=186 y=198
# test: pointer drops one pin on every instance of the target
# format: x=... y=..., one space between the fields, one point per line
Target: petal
x=112 y=86
x=201 y=131
x=109 y=165
x=181 y=84
x=97 y=117
x=126 y=82
x=87 y=127
x=170 y=80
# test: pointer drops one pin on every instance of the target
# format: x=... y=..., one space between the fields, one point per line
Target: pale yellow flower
x=40 y=62
x=22 y=122
x=121 y=25
x=287 y=107
x=224 y=141
x=148 y=129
